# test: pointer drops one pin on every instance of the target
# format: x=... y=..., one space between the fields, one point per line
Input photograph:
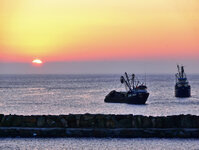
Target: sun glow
x=37 y=61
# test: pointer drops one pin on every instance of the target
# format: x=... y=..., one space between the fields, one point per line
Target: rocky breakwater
x=99 y=125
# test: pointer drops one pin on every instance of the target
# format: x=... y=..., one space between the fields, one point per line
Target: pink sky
x=98 y=30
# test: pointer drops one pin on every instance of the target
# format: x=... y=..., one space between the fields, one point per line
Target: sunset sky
x=99 y=30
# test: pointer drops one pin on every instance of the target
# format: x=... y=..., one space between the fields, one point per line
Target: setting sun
x=37 y=61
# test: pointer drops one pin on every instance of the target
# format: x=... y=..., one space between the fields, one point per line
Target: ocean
x=76 y=94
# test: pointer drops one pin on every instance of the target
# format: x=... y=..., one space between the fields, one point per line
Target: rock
x=146 y=122
x=137 y=121
x=175 y=119
x=64 y=122
x=7 y=121
x=123 y=121
x=41 y=121
x=195 y=121
x=78 y=117
x=17 y=121
x=186 y=121
x=99 y=121
x=50 y=122
x=87 y=121
x=88 y=117
x=159 y=122
x=109 y=122
x=153 y=122
x=71 y=120
x=1 y=117
x=29 y=121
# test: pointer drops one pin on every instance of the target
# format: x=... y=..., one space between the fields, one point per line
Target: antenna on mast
x=182 y=70
x=133 y=80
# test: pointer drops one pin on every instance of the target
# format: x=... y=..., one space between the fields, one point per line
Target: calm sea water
x=98 y=144
x=64 y=94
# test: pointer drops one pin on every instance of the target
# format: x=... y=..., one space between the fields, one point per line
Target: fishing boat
x=182 y=87
x=136 y=92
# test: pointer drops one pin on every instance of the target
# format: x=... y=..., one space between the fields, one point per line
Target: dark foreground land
x=99 y=125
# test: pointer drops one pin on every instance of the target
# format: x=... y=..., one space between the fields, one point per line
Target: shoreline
x=24 y=132
x=100 y=125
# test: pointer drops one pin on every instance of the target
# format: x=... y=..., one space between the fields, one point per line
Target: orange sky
x=63 y=30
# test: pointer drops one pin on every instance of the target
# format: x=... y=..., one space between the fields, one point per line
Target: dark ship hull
x=123 y=97
x=182 y=91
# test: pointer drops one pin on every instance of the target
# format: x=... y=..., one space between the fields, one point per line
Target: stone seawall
x=99 y=125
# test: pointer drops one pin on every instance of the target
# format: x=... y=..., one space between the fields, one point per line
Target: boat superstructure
x=182 y=87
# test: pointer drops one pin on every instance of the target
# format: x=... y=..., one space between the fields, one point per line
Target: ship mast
x=127 y=84
x=128 y=81
x=133 y=80
x=179 y=74
x=182 y=71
